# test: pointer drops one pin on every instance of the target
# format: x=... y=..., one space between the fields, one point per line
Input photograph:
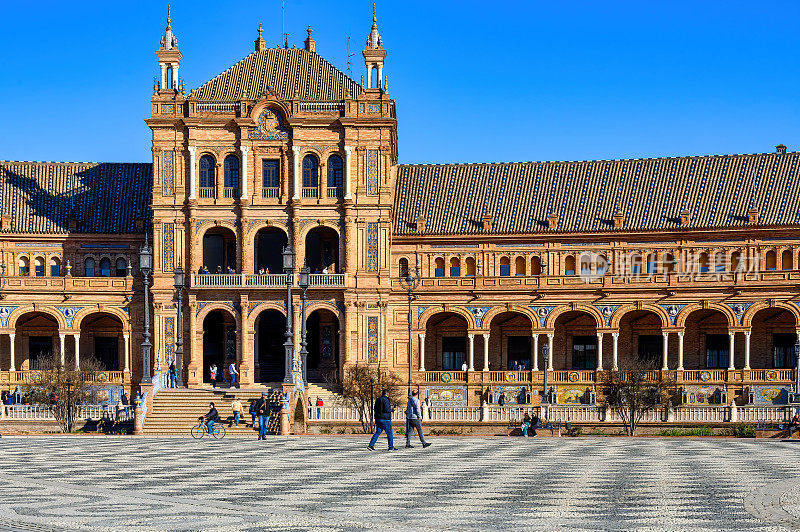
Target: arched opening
x=652 y=264
x=569 y=265
x=519 y=266
x=55 y=267
x=105 y=267
x=640 y=339
x=219 y=342
x=121 y=267
x=706 y=340
x=36 y=340
x=310 y=176
x=786 y=260
x=231 y=176
x=38 y=266
x=669 y=262
x=270 y=354
x=438 y=270
x=510 y=342
x=269 y=243
x=322 y=250
x=772 y=339
x=101 y=338
x=219 y=250
x=636 y=264
x=322 y=337
x=335 y=176
x=88 y=267
x=536 y=266
x=455 y=267
x=586 y=264
x=703 y=262
x=719 y=262
x=446 y=342
x=23 y=266
x=771 y=260
x=601 y=264
x=208 y=178
x=470 y=264
x=402 y=267
x=575 y=341
x=505 y=266
x=736 y=262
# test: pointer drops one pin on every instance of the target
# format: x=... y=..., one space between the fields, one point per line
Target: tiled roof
x=290 y=72
x=103 y=197
x=718 y=191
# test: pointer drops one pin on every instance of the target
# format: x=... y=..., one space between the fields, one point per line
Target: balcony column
x=732 y=338
x=680 y=350
x=421 y=352
x=77 y=337
x=471 y=352
x=486 y=352
x=296 y=176
x=615 y=351
x=243 y=174
x=12 y=337
x=550 y=351
x=664 y=350
x=535 y=351
x=747 y=349
x=192 y=180
x=62 y=350
x=127 y=338
x=347 y=158
x=600 y=351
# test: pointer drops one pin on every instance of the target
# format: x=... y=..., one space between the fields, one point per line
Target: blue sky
x=473 y=81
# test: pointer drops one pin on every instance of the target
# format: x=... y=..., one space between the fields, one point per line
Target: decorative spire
x=259 y=30
x=169 y=19
x=310 y=46
x=168 y=41
x=260 y=43
x=374 y=40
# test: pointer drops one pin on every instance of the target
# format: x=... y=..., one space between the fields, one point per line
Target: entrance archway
x=101 y=338
x=510 y=341
x=322 y=336
x=772 y=339
x=219 y=250
x=219 y=342
x=270 y=355
x=575 y=341
x=322 y=250
x=706 y=340
x=36 y=340
x=269 y=244
x=445 y=341
x=641 y=341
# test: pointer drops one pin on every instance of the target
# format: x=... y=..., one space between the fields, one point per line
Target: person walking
x=262 y=409
x=236 y=406
x=212 y=375
x=414 y=420
x=233 y=373
x=383 y=420
x=319 y=406
x=173 y=374
x=252 y=411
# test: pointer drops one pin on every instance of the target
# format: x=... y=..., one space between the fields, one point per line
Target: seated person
x=211 y=417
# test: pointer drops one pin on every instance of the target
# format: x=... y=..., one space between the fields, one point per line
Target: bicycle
x=200 y=430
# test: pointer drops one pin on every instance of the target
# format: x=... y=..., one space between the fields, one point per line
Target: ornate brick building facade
x=689 y=263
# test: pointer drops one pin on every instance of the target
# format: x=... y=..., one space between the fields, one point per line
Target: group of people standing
x=213 y=375
x=383 y=420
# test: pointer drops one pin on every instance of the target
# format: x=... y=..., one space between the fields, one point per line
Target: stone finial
x=552 y=221
x=374 y=40
x=169 y=41
x=686 y=216
x=486 y=222
x=260 y=43
x=752 y=216
x=619 y=219
x=309 y=42
x=420 y=225
x=780 y=148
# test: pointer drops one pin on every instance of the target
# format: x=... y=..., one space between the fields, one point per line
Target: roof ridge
x=73 y=162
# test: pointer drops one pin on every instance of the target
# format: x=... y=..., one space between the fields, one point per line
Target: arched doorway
x=706 y=340
x=446 y=341
x=270 y=355
x=269 y=244
x=640 y=340
x=101 y=338
x=575 y=341
x=322 y=250
x=219 y=342
x=36 y=340
x=219 y=250
x=510 y=341
x=322 y=337
x=772 y=339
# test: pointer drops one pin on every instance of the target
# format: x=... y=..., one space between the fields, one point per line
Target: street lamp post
x=411 y=281
x=288 y=345
x=179 y=283
x=69 y=404
x=797 y=368
x=303 y=282
x=146 y=266
x=546 y=356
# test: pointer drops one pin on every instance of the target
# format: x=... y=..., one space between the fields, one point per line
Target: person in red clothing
x=319 y=406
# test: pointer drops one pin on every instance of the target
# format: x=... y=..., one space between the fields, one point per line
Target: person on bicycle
x=210 y=418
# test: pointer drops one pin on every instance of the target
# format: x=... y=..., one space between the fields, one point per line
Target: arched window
x=122 y=267
x=231 y=167
x=24 y=266
x=703 y=262
x=719 y=262
x=38 y=266
x=602 y=265
x=652 y=263
x=786 y=260
x=402 y=267
x=669 y=262
x=519 y=266
x=207 y=171
x=586 y=265
x=55 y=267
x=105 y=267
x=505 y=266
x=771 y=260
x=736 y=261
x=636 y=264
x=470 y=263
x=88 y=267
x=536 y=266
x=439 y=271
x=310 y=171
x=335 y=171
x=569 y=265
x=455 y=267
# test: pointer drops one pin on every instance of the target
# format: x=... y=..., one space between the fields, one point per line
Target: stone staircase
x=175 y=411
x=325 y=392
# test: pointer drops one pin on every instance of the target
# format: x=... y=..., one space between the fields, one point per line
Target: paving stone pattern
x=334 y=483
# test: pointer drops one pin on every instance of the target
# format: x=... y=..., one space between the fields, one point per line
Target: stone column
x=380 y=77
x=62 y=350
x=664 y=350
x=163 y=76
x=600 y=350
x=296 y=176
x=347 y=158
x=421 y=352
x=127 y=338
x=485 y=352
x=192 y=172
x=243 y=174
x=680 y=350
x=535 y=353
x=369 y=76
x=175 y=77
x=747 y=349
x=614 y=351
x=732 y=337
x=550 y=350
x=471 y=351
x=12 y=338
x=77 y=338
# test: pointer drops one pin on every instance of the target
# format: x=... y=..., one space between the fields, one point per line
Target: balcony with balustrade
x=246 y=280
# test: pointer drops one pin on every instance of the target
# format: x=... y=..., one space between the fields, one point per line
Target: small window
x=455 y=267
x=24 y=266
x=669 y=262
x=736 y=261
x=335 y=171
x=207 y=171
x=88 y=267
x=505 y=267
x=569 y=265
x=602 y=265
x=717 y=350
x=636 y=264
x=519 y=266
x=470 y=262
x=786 y=260
x=783 y=350
x=771 y=260
x=38 y=264
x=439 y=270
x=703 y=262
x=584 y=352
x=55 y=267
x=310 y=171
x=122 y=267
x=402 y=267
x=271 y=170
x=231 y=167
x=719 y=262
x=105 y=267
x=652 y=264
x=536 y=266
x=586 y=265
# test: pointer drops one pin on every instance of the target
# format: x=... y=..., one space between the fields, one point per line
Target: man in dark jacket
x=262 y=410
x=211 y=417
x=383 y=420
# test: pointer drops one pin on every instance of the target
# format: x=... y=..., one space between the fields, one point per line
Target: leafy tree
x=362 y=385
x=635 y=389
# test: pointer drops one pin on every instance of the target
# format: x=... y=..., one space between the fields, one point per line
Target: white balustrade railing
x=269 y=279
x=217 y=279
x=216 y=107
x=320 y=107
x=327 y=279
x=765 y=413
x=463 y=413
x=233 y=280
x=45 y=413
x=710 y=414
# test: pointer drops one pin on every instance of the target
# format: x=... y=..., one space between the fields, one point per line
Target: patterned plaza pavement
x=334 y=483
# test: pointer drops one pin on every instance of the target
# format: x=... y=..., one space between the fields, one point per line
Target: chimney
x=5 y=222
x=685 y=216
x=552 y=221
x=420 y=224
x=619 y=219
x=752 y=216
x=780 y=148
x=309 y=40
x=486 y=222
